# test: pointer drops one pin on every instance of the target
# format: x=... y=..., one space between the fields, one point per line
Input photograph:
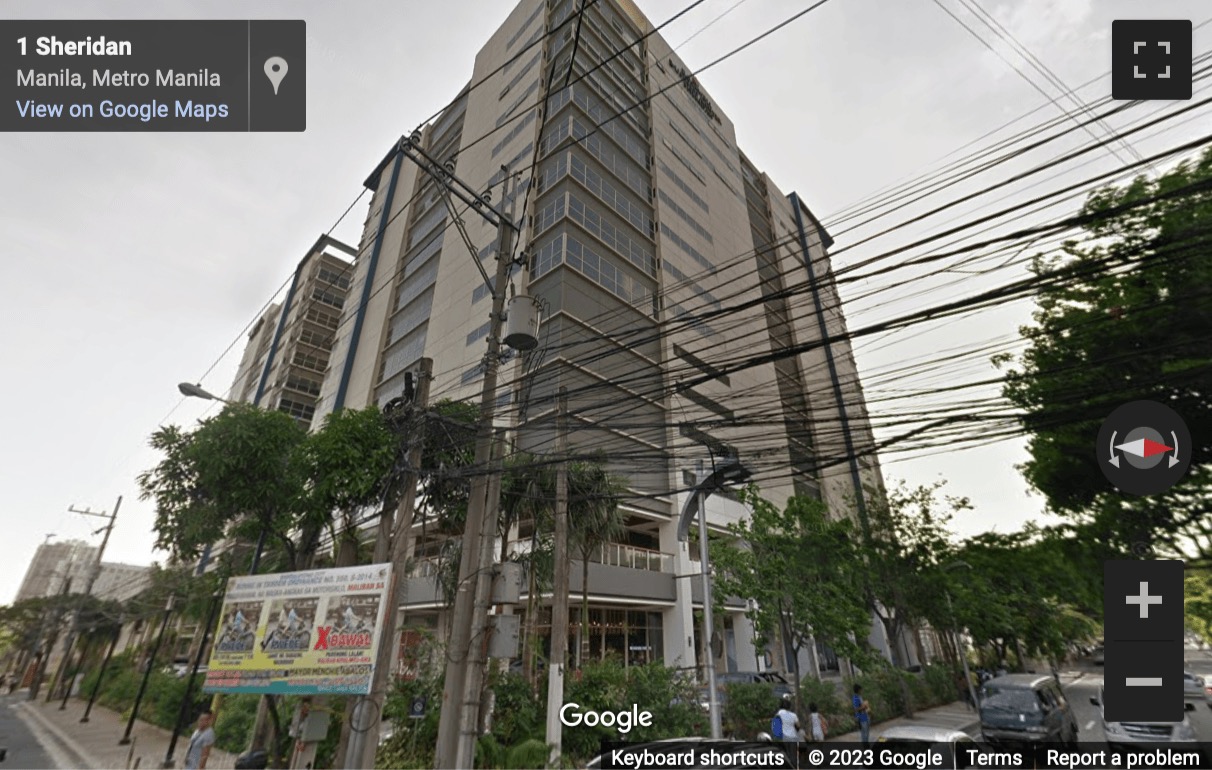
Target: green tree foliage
x=594 y=520
x=238 y=474
x=347 y=465
x=1198 y=603
x=1128 y=316
x=910 y=543
x=1038 y=588
x=803 y=571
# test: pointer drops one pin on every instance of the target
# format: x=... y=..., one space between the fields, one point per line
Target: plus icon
x=1150 y=59
x=1144 y=600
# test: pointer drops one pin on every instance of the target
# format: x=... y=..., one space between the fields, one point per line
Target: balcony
x=633 y=557
x=615 y=570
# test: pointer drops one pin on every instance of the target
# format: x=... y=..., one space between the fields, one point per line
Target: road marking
x=1090 y=725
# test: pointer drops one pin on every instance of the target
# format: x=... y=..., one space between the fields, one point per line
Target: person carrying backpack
x=785 y=726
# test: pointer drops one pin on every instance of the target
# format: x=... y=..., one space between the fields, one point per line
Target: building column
x=677 y=622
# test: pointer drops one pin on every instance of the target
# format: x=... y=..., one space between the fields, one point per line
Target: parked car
x=1143 y=732
x=1026 y=708
x=924 y=736
x=1196 y=690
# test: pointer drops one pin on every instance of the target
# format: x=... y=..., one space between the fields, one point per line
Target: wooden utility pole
x=70 y=642
x=457 y=725
x=559 y=596
x=363 y=742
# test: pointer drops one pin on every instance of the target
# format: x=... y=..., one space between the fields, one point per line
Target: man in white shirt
x=791 y=722
x=200 y=743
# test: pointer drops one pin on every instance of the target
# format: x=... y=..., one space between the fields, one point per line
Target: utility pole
x=457 y=725
x=559 y=596
x=363 y=743
x=477 y=651
x=93 y=574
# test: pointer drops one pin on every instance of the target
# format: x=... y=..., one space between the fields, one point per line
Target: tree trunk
x=583 y=655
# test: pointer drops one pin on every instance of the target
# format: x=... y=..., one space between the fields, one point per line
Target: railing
x=634 y=557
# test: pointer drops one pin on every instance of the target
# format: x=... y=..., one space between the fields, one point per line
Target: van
x=1026 y=708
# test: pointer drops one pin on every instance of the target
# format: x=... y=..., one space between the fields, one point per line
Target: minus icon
x=1143 y=681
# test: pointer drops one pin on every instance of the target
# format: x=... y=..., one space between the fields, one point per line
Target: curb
x=88 y=760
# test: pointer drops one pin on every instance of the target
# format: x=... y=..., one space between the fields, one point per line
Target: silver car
x=1196 y=690
x=1144 y=732
x=911 y=736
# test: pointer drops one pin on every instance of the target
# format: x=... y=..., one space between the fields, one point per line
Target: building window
x=297 y=409
x=327 y=297
x=333 y=278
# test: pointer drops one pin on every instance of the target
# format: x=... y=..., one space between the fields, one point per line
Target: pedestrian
x=862 y=714
x=961 y=684
x=200 y=742
x=818 y=726
x=790 y=722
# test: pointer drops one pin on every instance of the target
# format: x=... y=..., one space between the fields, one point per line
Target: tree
x=238 y=474
x=1126 y=315
x=909 y=544
x=1035 y=591
x=347 y=464
x=803 y=572
x=594 y=519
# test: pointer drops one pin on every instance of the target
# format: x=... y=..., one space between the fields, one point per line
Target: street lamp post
x=955 y=630
x=151 y=663
x=729 y=472
x=92 y=698
x=216 y=600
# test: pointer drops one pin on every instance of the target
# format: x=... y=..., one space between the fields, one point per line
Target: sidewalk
x=95 y=743
x=951 y=716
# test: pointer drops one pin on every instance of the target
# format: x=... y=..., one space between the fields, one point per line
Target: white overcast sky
x=134 y=261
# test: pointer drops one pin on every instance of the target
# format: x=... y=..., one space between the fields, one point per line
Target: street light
x=183 y=713
x=197 y=391
x=955 y=631
x=151 y=663
x=730 y=472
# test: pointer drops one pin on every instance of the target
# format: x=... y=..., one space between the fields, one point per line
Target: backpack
x=776 y=728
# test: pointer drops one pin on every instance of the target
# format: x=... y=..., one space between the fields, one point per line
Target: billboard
x=300 y=633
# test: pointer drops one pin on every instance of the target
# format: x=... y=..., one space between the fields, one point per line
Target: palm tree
x=594 y=519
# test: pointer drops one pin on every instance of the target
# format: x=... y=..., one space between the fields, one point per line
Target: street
x=1088 y=723
x=1080 y=684
x=29 y=746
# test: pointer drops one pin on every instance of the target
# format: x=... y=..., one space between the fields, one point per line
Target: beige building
x=687 y=306
x=288 y=348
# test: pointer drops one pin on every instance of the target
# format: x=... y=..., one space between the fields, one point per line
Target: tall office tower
x=288 y=348
x=53 y=564
x=687 y=307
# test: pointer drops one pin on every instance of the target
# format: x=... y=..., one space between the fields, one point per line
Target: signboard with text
x=300 y=633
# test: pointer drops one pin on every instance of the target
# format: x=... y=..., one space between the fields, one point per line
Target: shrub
x=748 y=708
x=518 y=715
x=527 y=755
x=942 y=683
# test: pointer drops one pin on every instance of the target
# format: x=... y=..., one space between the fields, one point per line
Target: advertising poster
x=300 y=633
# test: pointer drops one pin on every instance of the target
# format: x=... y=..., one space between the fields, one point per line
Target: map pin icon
x=275 y=70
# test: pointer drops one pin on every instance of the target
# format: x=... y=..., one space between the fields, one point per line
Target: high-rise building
x=53 y=564
x=687 y=307
x=288 y=348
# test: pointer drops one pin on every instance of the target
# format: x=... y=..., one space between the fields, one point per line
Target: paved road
x=25 y=743
x=1090 y=726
